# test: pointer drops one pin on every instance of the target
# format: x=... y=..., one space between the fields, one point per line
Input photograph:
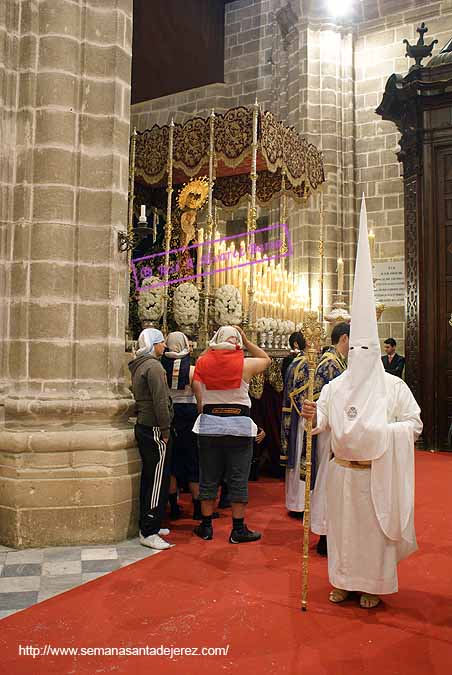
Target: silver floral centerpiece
x=262 y=327
x=228 y=306
x=150 y=302
x=186 y=307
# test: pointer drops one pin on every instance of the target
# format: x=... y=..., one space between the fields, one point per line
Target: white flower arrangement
x=186 y=305
x=228 y=306
x=262 y=325
x=280 y=327
x=272 y=325
x=290 y=327
x=150 y=302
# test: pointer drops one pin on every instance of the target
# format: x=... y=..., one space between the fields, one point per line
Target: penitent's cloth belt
x=353 y=464
x=226 y=410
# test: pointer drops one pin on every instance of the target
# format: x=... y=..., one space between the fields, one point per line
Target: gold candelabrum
x=379 y=306
x=168 y=227
x=321 y=261
x=126 y=241
x=206 y=294
x=252 y=220
x=314 y=334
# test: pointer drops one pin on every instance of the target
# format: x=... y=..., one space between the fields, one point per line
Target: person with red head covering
x=224 y=427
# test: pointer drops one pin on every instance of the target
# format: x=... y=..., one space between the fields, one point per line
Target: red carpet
x=248 y=597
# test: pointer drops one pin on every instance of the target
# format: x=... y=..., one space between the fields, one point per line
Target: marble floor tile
x=100 y=566
x=62 y=554
x=99 y=554
x=27 y=556
x=61 y=567
x=21 y=570
x=19 y=584
x=17 y=600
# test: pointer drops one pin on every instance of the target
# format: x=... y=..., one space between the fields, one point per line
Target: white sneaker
x=155 y=542
x=163 y=532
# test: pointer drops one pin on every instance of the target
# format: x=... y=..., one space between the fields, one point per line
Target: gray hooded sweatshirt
x=150 y=389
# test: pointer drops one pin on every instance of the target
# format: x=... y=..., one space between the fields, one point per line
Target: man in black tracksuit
x=152 y=433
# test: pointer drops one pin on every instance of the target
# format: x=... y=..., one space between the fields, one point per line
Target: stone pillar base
x=68 y=486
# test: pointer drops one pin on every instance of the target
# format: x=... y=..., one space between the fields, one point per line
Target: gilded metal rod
x=252 y=217
x=168 y=226
x=131 y=199
x=132 y=153
x=322 y=259
x=313 y=332
x=207 y=251
x=283 y=217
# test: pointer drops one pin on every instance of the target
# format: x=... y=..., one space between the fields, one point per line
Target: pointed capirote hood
x=359 y=415
x=363 y=328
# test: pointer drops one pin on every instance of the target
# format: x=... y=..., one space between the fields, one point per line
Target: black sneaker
x=298 y=515
x=243 y=535
x=199 y=516
x=322 y=545
x=204 y=531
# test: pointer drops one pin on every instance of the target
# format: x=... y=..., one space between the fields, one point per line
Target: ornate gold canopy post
x=313 y=333
x=168 y=227
x=209 y=230
x=133 y=145
x=252 y=218
x=283 y=211
x=321 y=261
x=128 y=243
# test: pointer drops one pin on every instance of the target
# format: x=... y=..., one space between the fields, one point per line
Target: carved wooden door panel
x=444 y=318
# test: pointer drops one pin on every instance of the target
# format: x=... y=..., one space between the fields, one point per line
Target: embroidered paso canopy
x=284 y=158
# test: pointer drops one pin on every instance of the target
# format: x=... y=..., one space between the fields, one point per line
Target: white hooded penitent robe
x=295 y=486
x=371 y=511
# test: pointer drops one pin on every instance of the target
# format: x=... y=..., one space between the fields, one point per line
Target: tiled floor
x=32 y=575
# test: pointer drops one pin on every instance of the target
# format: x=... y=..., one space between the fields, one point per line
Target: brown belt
x=353 y=464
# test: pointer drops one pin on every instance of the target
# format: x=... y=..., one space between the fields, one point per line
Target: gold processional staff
x=313 y=333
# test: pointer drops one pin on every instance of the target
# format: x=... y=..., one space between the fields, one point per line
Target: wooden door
x=444 y=286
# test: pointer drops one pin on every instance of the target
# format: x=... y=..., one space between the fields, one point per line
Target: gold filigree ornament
x=275 y=375
x=379 y=308
x=194 y=194
x=256 y=388
x=312 y=330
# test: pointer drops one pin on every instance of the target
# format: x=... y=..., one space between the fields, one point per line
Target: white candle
x=340 y=275
x=143 y=212
x=199 y=256
x=233 y=262
x=228 y=265
x=222 y=263
x=155 y=221
x=372 y=244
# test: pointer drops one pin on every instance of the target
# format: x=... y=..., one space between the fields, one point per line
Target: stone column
x=9 y=21
x=67 y=456
x=321 y=106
